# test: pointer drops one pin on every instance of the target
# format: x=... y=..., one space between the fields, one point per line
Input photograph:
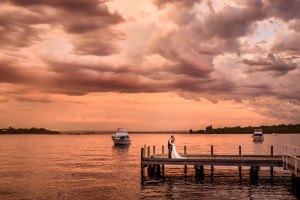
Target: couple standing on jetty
x=172 y=150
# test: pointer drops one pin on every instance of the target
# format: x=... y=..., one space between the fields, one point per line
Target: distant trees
x=32 y=130
x=209 y=129
x=282 y=128
x=199 y=131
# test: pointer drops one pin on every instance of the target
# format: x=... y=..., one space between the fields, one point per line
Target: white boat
x=258 y=135
x=121 y=137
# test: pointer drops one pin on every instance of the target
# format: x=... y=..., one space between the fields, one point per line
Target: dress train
x=174 y=153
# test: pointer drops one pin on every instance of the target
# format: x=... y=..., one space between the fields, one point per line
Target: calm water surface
x=91 y=167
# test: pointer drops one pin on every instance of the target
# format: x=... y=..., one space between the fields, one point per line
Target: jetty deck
x=216 y=160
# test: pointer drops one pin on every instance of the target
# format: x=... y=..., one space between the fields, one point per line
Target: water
x=91 y=167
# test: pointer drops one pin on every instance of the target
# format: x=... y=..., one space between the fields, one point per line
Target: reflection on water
x=120 y=152
x=257 y=141
x=91 y=167
x=225 y=184
x=121 y=148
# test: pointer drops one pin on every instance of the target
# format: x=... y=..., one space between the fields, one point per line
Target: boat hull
x=258 y=138
x=122 y=141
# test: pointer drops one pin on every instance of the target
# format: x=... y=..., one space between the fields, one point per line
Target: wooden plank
x=215 y=164
x=217 y=160
x=232 y=162
x=238 y=158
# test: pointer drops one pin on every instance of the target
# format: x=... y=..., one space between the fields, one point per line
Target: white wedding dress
x=174 y=153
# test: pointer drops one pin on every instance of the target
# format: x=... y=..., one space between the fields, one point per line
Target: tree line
x=33 y=130
x=282 y=128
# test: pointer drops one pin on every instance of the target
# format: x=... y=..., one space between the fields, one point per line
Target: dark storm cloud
x=89 y=23
x=99 y=43
x=283 y=9
x=80 y=79
x=233 y=22
x=124 y=79
x=229 y=23
x=73 y=67
x=198 y=39
x=210 y=86
x=71 y=79
x=215 y=33
x=276 y=65
x=86 y=84
x=16 y=30
x=257 y=90
x=11 y=74
x=190 y=69
x=193 y=45
x=88 y=7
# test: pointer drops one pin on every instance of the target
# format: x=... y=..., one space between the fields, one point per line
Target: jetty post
x=142 y=158
x=212 y=153
x=156 y=168
x=254 y=171
x=240 y=167
x=199 y=171
x=271 y=168
x=163 y=152
x=145 y=150
x=150 y=168
x=185 y=166
x=148 y=152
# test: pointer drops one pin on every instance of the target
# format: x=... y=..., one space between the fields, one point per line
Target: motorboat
x=121 y=137
x=258 y=135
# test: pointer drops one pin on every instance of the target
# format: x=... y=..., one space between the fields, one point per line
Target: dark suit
x=170 y=148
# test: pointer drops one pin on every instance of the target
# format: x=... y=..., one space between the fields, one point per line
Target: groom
x=170 y=145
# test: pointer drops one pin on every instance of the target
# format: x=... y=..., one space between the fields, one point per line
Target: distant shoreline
x=275 y=129
x=136 y=133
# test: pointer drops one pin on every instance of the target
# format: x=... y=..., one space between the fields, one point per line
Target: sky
x=149 y=64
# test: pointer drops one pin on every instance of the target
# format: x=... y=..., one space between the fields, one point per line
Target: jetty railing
x=290 y=159
x=146 y=152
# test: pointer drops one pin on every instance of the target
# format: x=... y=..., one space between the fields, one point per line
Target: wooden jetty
x=155 y=163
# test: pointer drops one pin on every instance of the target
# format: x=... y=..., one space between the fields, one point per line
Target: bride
x=174 y=153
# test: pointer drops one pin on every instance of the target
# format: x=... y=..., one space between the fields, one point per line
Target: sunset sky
x=149 y=64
